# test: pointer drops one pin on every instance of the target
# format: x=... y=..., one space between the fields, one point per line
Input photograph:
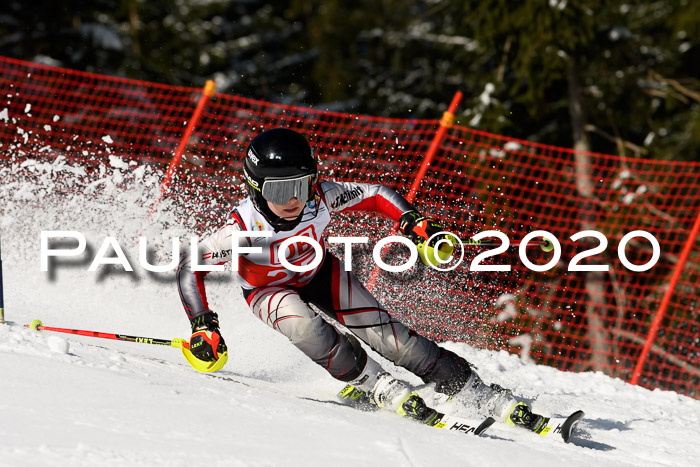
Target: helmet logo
x=250 y=180
x=253 y=158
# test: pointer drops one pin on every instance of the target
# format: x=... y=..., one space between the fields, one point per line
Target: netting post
x=446 y=122
x=2 y=301
x=207 y=92
x=666 y=300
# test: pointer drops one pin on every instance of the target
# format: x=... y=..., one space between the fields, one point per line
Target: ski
x=358 y=399
x=567 y=428
x=461 y=425
x=564 y=426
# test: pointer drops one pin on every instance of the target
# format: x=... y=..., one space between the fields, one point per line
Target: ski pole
x=426 y=251
x=197 y=364
x=37 y=325
x=545 y=244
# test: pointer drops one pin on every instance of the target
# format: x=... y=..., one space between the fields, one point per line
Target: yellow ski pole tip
x=547 y=245
x=430 y=257
x=34 y=325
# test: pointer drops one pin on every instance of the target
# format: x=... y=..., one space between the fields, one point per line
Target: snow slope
x=68 y=400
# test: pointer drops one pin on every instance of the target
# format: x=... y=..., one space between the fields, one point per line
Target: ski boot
x=500 y=403
x=379 y=389
x=414 y=407
x=375 y=388
x=388 y=392
x=522 y=416
x=490 y=400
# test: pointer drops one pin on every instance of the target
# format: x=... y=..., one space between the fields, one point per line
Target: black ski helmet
x=279 y=155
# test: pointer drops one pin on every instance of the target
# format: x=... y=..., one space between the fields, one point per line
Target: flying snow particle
x=27 y=108
x=23 y=134
x=497 y=153
x=512 y=146
x=107 y=139
x=649 y=138
x=117 y=162
x=485 y=96
x=507 y=301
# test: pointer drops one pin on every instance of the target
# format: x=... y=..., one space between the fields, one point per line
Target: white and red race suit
x=281 y=297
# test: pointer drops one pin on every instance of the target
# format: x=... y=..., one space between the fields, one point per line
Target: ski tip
x=484 y=426
x=568 y=427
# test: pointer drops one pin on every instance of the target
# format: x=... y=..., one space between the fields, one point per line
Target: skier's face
x=288 y=211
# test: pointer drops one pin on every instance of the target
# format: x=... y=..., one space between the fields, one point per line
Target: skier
x=287 y=198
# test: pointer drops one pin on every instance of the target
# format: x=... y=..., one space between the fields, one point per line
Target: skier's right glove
x=420 y=229
x=206 y=342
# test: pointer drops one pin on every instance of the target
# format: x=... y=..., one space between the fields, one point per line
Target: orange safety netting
x=478 y=181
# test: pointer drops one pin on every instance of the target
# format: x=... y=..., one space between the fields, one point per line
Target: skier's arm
x=340 y=196
x=206 y=342
x=213 y=250
x=380 y=199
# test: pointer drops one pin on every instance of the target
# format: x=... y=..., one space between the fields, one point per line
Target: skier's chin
x=289 y=214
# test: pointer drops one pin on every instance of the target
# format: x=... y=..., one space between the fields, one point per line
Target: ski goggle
x=281 y=191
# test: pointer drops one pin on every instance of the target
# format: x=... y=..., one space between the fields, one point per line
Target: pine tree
x=604 y=75
x=610 y=75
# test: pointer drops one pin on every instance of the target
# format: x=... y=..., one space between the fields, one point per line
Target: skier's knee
x=341 y=355
x=301 y=331
x=449 y=374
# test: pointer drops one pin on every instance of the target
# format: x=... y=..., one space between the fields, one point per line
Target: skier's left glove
x=420 y=229
x=206 y=342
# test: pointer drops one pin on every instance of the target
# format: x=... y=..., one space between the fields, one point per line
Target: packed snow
x=67 y=400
